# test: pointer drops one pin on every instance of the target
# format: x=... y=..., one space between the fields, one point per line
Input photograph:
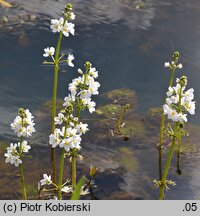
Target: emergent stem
x=62 y=159
x=73 y=168
x=22 y=171
x=162 y=124
x=54 y=100
x=166 y=170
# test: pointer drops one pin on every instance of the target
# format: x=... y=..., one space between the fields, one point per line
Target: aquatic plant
x=66 y=28
x=179 y=103
x=172 y=67
x=23 y=126
x=67 y=135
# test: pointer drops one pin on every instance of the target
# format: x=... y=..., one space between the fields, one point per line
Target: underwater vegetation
x=88 y=142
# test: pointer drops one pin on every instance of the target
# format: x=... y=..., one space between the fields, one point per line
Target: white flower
x=29 y=130
x=49 y=51
x=93 y=72
x=91 y=106
x=84 y=191
x=170 y=91
x=189 y=94
x=13 y=159
x=71 y=16
x=54 y=140
x=25 y=146
x=70 y=58
x=9 y=157
x=76 y=141
x=180 y=66
x=85 y=94
x=66 y=144
x=59 y=120
x=68 y=28
x=12 y=148
x=82 y=128
x=182 y=117
x=178 y=111
x=46 y=180
x=190 y=107
x=69 y=100
x=56 y=25
x=16 y=160
x=80 y=71
x=167 y=64
x=93 y=87
x=71 y=132
x=67 y=189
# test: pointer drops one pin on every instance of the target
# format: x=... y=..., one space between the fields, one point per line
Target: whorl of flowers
x=62 y=25
x=173 y=65
x=68 y=136
x=23 y=126
x=82 y=89
x=179 y=102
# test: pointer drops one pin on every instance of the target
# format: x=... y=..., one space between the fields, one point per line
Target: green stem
x=119 y=122
x=162 y=125
x=167 y=166
x=73 y=168
x=22 y=171
x=178 y=155
x=62 y=159
x=54 y=100
x=166 y=170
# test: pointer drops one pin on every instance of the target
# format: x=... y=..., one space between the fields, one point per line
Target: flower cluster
x=172 y=65
x=82 y=88
x=179 y=102
x=13 y=152
x=23 y=126
x=62 y=25
x=69 y=136
x=65 y=188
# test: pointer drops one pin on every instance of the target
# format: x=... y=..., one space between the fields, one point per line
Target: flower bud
x=183 y=81
x=87 y=65
x=68 y=8
x=22 y=113
x=175 y=56
x=93 y=171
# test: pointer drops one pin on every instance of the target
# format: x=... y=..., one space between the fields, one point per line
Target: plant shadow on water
x=127 y=166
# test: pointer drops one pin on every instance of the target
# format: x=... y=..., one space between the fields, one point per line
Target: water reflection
x=128 y=41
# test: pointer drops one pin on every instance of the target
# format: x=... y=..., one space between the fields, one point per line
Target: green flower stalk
x=178 y=104
x=172 y=67
x=23 y=126
x=119 y=121
x=68 y=138
x=63 y=27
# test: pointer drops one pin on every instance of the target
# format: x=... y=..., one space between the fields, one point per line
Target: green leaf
x=77 y=191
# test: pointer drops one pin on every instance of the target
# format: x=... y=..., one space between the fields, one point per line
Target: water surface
x=128 y=41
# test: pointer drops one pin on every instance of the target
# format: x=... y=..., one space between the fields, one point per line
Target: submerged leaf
x=109 y=110
x=122 y=97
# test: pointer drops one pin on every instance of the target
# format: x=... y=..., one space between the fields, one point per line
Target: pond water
x=128 y=42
